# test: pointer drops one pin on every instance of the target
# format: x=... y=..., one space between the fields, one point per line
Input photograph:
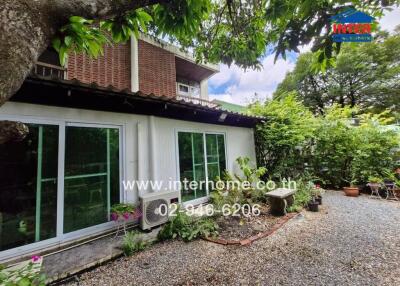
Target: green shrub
x=187 y=227
x=284 y=140
x=237 y=194
x=302 y=196
x=292 y=141
x=28 y=275
x=375 y=153
x=132 y=244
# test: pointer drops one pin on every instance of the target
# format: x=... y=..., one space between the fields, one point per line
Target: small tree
x=285 y=138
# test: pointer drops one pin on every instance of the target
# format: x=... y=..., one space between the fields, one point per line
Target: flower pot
x=351 y=191
x=318 y=199
x=313 y=206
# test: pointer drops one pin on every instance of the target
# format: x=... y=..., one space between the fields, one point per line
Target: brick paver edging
x=253 y=238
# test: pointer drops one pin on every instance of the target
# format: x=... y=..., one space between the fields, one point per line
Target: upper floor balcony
x=45 y=69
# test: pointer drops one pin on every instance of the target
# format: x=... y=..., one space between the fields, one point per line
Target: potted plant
x=316 y=192
x=314 y=201
x=375 y=181
x=313 y=205
x=352 y=190
x=122 y=213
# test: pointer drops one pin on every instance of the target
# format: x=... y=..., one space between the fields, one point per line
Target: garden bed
x=244 y=230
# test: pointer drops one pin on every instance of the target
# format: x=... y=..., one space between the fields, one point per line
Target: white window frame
x=61 y=237
x=205 y=199
x=190 y=88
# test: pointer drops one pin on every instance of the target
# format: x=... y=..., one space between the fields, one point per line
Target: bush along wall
x=339 y=147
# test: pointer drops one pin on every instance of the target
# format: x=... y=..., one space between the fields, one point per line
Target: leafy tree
x=218 y=31
x=285 y=137
x=365 y=74
x=337 y=147
x=376 y=150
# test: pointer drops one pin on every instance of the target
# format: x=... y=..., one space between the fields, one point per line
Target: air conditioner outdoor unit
x=156 y=207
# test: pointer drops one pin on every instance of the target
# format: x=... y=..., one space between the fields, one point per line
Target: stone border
x=251 y=239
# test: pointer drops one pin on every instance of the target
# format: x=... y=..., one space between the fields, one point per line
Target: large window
x=28 y=187
x=30 y=210
x=201 y=159
x=91 y=175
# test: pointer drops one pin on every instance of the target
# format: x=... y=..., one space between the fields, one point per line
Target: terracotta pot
x=351 y=191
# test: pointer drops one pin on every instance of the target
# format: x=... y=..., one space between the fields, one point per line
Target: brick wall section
x=156 y=70
x=113 y=68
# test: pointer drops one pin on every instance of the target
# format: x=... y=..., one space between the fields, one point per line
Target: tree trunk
x=26 y=30
x=10 y=130
x=28 y=26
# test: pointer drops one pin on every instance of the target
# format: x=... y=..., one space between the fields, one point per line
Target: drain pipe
x=152 y=150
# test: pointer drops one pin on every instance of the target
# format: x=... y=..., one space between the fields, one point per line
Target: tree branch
x=27 y=28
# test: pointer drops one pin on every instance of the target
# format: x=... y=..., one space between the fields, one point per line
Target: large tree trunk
x=27 y=27
x=26 y=30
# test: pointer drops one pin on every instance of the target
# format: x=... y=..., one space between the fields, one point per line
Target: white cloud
x=241 y=85
x=390 y=20
x=244 y=84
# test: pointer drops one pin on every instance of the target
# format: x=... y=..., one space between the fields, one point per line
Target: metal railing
x=197 y=100
x=44 y=69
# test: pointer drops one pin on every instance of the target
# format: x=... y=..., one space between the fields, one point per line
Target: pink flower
x=137 y=214
x=126 y=216
x=114 y=216
x=36 y=258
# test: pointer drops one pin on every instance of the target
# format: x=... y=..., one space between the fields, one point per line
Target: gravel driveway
x=352 y=241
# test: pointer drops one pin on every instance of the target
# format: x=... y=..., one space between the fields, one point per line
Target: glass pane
x=91 y=176
x=195 y=91
x=215 y=155
x=28 y=187
x=183 y=88
x=191 y=164
x=221 y=152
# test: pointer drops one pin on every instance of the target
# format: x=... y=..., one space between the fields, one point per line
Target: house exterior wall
x=113 y=68
x=156 y=70
x=149 y=150
x=238 y=141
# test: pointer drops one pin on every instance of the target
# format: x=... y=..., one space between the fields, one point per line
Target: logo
x=352 y=26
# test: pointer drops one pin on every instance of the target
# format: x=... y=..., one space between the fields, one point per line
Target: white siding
x=136 y=136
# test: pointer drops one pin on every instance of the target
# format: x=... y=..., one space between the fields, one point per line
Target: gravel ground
x=352 y=241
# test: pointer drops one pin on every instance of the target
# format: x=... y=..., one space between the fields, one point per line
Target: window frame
x=178 y=173
x=61 y=237
x=190 y=90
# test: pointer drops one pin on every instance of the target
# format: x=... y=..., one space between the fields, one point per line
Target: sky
x=235 y=85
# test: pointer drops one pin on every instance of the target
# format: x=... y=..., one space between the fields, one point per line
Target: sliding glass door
x=201 y=159
x=28 y=187
x=91 y=183
x=39 y=199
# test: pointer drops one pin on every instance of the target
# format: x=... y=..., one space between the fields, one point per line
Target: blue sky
x=235 y=85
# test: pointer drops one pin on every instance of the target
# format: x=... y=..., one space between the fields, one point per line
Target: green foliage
x=181 y=19
x=235 y=31
x=335 y=146
x=132 y=244
x=287 y=133
x=364 y=74
x=303 y=195
x=350 y=154
x=121 y=209
x=187 y=227
x=28 y=275
x=79 y=35
x=122 y=28
x=332 y=148
x=236 y=191
x=375 y=150
x=376 y=180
